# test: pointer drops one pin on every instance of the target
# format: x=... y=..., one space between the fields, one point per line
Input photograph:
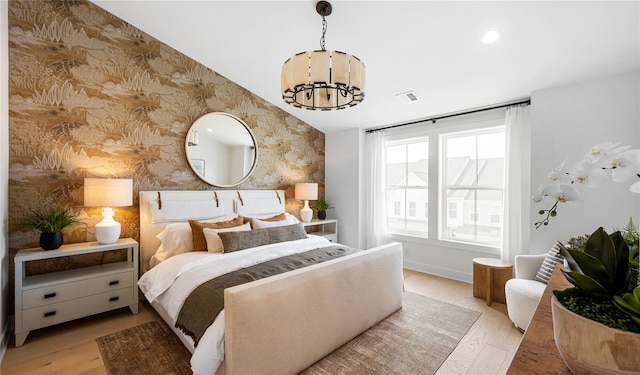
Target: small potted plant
x=50 y=223
x=594 y=323
x=321 y=205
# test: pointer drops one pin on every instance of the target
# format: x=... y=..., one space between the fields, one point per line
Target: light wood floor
x=70 y=348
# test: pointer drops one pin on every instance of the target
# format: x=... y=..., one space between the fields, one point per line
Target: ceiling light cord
x=324 y=30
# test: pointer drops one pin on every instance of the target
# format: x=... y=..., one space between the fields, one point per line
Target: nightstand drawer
x=44 y=316
x=66 y=291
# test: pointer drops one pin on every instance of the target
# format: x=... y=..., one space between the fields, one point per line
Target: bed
x=279 y=324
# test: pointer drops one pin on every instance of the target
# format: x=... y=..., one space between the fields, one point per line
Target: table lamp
x=306 y=191
x=107 y=193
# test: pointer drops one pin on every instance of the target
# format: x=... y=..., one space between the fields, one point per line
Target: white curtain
x=517 y=202
x=376 y=206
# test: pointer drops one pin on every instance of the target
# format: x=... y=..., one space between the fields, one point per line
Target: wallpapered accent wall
x=92 y=96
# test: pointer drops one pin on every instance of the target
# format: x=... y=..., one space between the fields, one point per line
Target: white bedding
x=169 y=283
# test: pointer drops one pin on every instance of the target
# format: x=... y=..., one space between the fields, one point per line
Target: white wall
x=343 y=184
x=4 y=177
x=566 y=122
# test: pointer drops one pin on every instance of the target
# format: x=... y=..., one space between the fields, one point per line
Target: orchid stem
x=549 y=214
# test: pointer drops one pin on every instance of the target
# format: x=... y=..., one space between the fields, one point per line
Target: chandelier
x=322 y=79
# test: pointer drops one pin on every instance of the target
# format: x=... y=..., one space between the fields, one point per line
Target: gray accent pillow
x=286 y=233
x=234 y=241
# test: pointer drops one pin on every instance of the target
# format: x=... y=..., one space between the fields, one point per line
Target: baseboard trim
x=6 y=337
x=439 y=271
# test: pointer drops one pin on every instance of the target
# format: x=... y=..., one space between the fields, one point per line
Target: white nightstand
x=324 y=228
x=56 y=297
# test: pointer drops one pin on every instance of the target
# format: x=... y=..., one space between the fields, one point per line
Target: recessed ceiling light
x=490 y=36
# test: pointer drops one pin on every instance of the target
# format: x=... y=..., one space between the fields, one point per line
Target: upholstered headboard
x=159 y=208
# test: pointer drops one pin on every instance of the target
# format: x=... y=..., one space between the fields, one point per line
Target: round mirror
x=221 y=149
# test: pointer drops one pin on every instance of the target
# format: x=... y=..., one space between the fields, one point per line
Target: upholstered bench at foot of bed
x=296 y=318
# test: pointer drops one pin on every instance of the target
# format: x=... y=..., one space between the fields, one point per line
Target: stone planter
x=589 y=347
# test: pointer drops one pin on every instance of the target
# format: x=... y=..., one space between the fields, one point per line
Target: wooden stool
x=489 y=277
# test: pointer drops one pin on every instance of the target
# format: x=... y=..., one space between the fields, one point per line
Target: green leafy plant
x=320 y=204
x=602 y=269
x=577 y=243
x=51 y=220
x=630 y=304
x=631 y=236
x=600 y=272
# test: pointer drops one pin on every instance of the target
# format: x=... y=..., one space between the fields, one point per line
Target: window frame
x=475 y=215
x=487 y=119
x=405 y=210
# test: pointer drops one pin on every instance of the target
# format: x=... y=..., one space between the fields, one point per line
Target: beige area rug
x=416 y=339
x=146 y=349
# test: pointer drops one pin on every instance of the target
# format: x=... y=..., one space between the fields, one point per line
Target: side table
x=325 y=228
x=489 y=277
x=51 y=298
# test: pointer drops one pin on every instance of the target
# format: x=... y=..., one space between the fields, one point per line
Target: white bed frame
x=285 y=323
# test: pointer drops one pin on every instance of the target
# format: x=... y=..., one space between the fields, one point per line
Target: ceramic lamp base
x=108 y=230
x=306 y=213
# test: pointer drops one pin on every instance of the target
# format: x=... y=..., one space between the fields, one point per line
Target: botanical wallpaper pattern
x=92 y=96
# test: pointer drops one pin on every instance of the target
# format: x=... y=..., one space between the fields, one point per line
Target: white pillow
x=176 y=238
x=259 y=224
x=214 y=243
x=289 y=220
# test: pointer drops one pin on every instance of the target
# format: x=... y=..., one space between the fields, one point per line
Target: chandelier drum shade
x=321 y=79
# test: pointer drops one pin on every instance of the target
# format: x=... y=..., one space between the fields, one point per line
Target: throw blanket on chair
x=206 y=301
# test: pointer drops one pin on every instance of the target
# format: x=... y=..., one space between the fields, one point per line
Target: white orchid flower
x=603 y=149
x=564 y=193
x=538 y=195
x=559 y=192
x=559 y=174
x=624 y=165
x=584 y=173
x=592 y=171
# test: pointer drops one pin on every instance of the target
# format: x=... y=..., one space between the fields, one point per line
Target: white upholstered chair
x=524 y=292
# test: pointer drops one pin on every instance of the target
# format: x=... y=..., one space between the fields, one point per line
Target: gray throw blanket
x=206 y=301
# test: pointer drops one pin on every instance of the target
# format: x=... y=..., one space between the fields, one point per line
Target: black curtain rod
x=436 y=118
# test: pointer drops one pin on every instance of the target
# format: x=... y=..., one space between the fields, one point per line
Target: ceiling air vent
x=408 y=97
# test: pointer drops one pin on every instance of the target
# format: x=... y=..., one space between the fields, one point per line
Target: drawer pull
x=115 y=282
x=50 y=295
x=50 y=313
x=113 y=299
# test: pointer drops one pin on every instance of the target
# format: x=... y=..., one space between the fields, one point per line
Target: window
x=453 y=210
x=412 y=209
x=472 y=165
x=396 y=208
x=407 y=183
x=461 y=168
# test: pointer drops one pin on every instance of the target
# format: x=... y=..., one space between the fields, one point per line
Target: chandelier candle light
x=107 y=193
x=306 y=191
x=322 y=79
